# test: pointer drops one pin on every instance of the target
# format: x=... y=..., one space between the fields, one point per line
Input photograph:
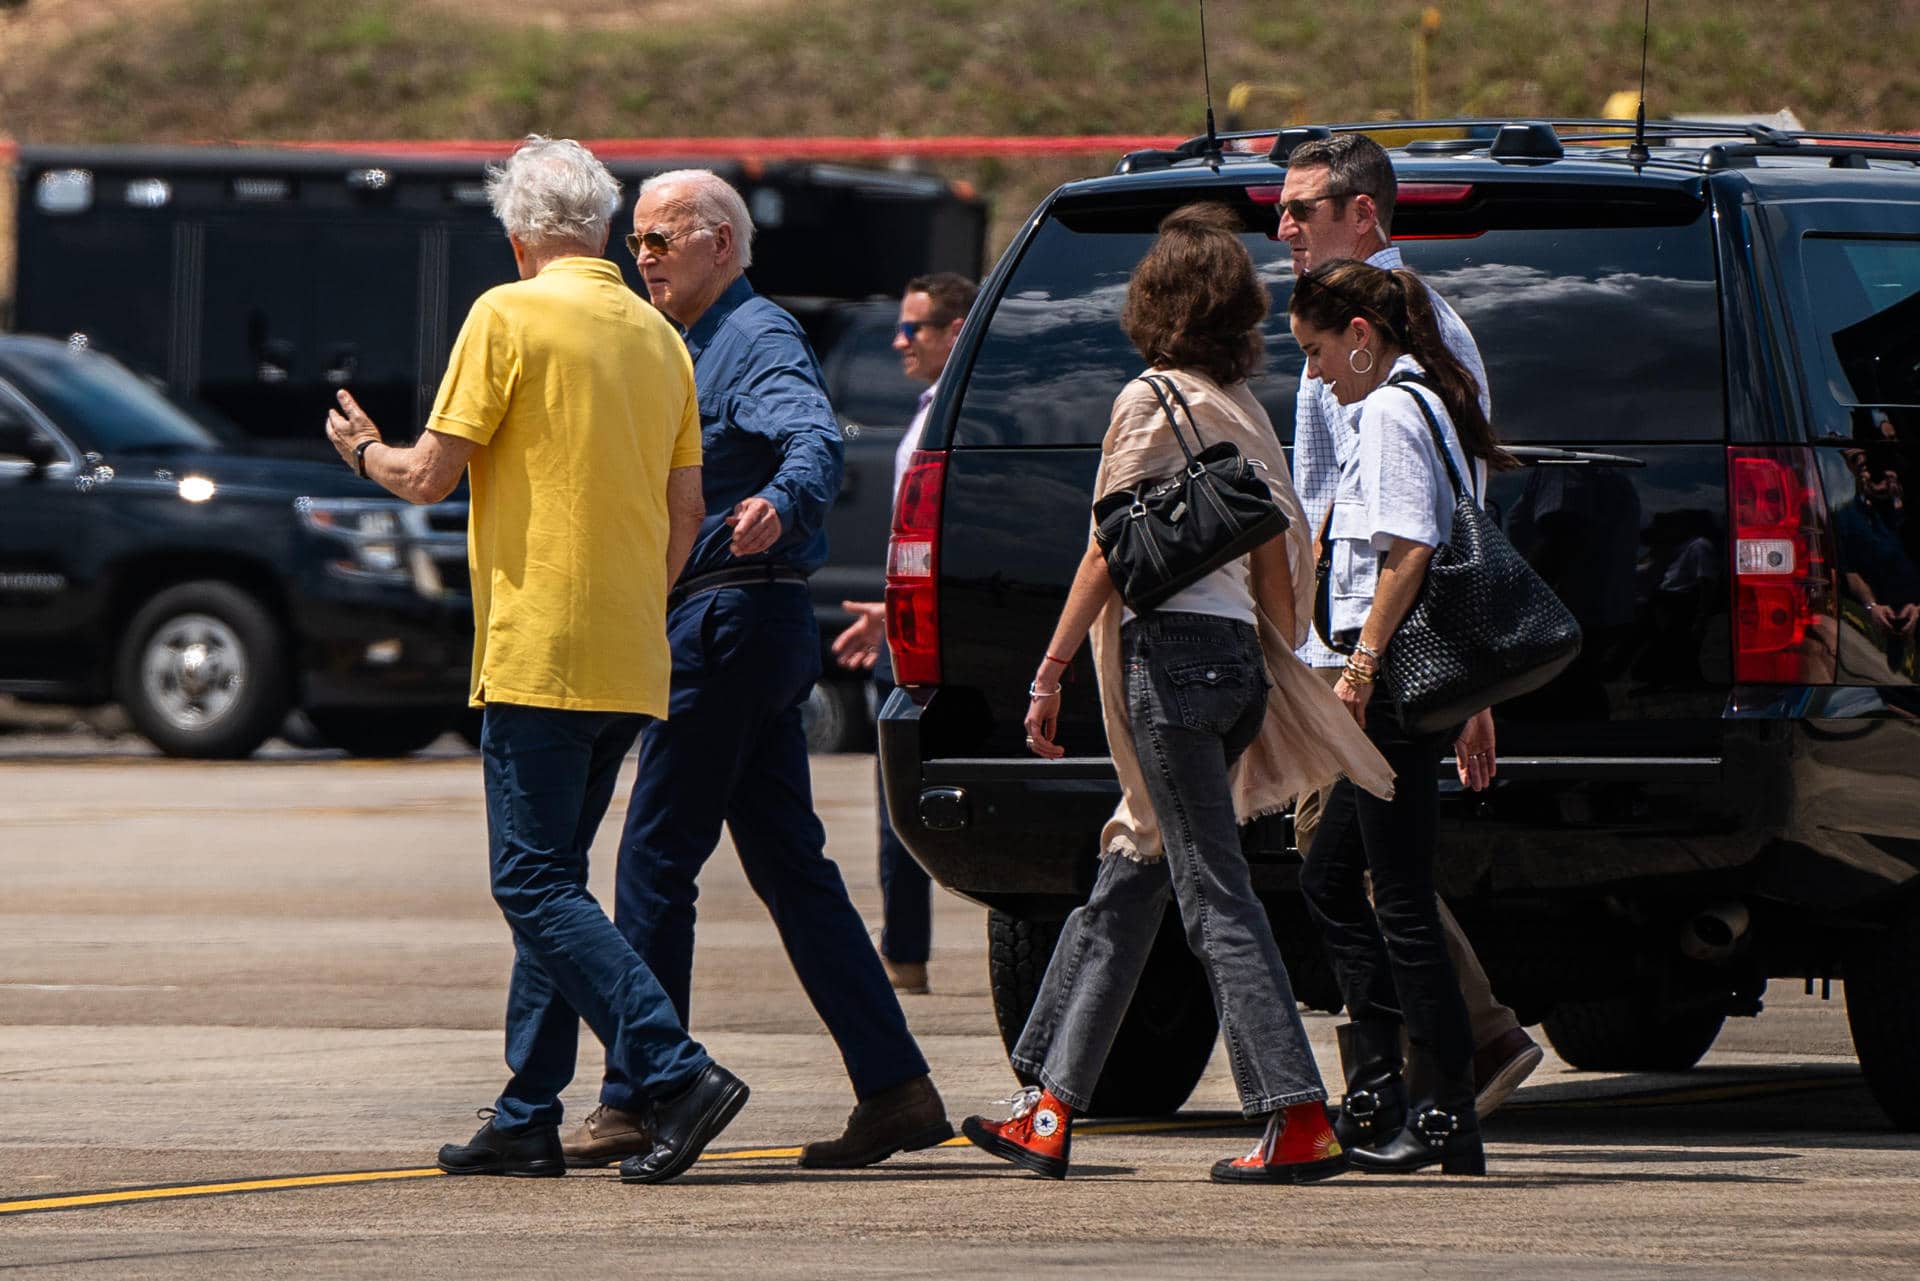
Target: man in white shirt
x=932 y=310
x=1337 y=202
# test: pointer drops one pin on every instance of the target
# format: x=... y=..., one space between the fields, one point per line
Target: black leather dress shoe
x=684 y=1124
x=534 y=1154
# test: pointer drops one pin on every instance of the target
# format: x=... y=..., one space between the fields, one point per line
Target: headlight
x=369 y=529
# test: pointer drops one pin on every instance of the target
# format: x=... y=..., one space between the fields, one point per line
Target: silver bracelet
x=1034 y=691
x=1368 y=650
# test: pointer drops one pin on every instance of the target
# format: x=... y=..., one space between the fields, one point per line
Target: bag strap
x=1407 y=383
x=1153 y=383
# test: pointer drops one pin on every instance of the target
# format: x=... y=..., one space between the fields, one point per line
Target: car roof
x=1680 y=156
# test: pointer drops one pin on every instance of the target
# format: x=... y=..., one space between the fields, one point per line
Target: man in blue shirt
x=746 y=651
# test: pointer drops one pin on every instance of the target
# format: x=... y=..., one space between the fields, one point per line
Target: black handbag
x=1485 y=628
x=1168 y=533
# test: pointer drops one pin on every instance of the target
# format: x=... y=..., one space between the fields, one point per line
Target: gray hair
x=553 y=191
x=713 y=201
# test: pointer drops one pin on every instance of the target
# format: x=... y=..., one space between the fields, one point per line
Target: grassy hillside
x=170 y=70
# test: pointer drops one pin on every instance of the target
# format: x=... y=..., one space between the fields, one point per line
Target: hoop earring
x=1354 y=365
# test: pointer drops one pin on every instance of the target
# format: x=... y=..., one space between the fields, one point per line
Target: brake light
x=1783 y=568
x=913 y=567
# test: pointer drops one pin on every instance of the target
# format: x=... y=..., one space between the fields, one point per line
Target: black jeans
x=1390 y=957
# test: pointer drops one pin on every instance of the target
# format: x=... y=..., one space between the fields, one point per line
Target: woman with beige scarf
x=1211 y=721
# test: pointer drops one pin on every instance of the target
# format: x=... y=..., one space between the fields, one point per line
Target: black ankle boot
x=1441 y=1128
x=1375 y=1107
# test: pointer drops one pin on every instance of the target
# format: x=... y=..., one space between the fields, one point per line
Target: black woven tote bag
x=1170 y=532
x=1485 y=628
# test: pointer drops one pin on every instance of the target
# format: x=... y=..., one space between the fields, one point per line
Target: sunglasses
x=1302 y=209
x=658 y=243
x=909 y=329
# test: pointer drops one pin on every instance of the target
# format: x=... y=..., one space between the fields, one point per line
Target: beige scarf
x=1309 y=739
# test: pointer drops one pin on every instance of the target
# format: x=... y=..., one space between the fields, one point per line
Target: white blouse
x=1392 y=486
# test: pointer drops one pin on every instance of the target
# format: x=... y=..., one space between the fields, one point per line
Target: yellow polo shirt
x=582 y=397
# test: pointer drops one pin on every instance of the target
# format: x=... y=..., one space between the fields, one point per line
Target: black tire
x=835 y=716
x=202 y=671
x=1883 y=1011
x=1631 y=1034
x=380 y=731
x=1166 y=1038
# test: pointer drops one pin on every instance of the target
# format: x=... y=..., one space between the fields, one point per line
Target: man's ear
x=1366 y=214
x=723 y=242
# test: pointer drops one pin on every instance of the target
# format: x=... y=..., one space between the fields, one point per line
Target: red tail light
x=1783 y=568
x=913 y=568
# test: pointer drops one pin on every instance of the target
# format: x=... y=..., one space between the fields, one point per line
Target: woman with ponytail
x=1372 y=336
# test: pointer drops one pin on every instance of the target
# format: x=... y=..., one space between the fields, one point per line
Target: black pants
x=1390 y=957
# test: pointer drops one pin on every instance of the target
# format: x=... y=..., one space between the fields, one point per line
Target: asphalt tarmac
x=244 y=1003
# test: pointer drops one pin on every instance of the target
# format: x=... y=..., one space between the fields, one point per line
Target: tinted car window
x=104 y=406
x=1590 y=334
x=1866 y=317
x=867 y=382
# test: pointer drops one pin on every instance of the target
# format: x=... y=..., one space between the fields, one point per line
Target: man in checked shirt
x=1337 y=202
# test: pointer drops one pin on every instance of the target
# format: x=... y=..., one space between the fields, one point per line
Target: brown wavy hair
x=1195 y=301
x=1396 y=303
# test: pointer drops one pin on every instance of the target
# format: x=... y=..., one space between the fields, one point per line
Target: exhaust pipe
x=1714 y=933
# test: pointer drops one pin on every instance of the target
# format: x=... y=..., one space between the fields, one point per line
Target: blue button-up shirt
x=766 y=431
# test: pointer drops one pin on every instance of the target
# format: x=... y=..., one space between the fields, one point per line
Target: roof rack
x=1540 y=141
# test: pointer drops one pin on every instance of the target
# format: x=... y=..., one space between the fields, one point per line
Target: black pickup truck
x=1706 y=358
x=147 y=559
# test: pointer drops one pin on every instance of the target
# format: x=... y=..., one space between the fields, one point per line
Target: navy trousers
x=906 y=891
x=732 y=751
x=549 y=777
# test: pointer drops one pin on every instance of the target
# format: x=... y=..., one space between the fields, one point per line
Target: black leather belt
x=739 y=576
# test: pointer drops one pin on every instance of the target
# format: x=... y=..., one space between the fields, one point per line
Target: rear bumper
x=1820 y=812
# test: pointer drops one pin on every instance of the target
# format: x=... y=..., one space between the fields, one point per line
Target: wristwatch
x=360 y=455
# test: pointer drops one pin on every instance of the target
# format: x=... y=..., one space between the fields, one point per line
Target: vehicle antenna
x=1638 y=153
x=1206 y=80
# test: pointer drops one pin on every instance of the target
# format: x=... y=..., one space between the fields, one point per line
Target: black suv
x=1709 y=360
x=146 y=559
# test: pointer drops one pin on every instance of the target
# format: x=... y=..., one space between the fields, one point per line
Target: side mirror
x=22 y=443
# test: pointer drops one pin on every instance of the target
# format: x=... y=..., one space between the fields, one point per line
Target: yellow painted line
x=77 y=1200
x=1699 y=1094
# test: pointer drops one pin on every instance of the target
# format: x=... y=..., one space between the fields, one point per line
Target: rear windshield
x=1590 y=334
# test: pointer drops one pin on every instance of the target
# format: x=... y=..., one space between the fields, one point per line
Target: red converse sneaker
x=1036 y=1137
x=1298 y=1147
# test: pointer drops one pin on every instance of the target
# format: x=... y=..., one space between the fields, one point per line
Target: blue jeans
x=1196 y=698
x=549 y=776
x=732 y=751
x=906 y=891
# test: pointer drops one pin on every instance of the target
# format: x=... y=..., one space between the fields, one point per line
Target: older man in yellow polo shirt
x=570 y=401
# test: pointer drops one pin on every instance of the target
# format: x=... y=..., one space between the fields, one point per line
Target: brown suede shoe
x=606 y=1136
x=906 y=976
x=1500 y=1066
x=906 y=1118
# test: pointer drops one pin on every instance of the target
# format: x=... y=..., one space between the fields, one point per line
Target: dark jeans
x=732 y=751
x=1390 y=958
x=906 y=891
x=549 y=776
x=1196 y=698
